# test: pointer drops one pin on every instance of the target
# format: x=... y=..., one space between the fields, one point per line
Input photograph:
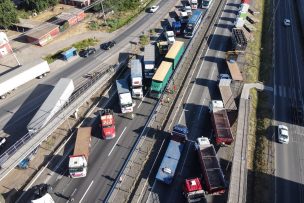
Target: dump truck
x=125 y=98
x=173 y=153
x=238 y=39
x=78 y=162
x=193 y=190
x=21 y=75
x=107 y=124
x=54 y=102
x=175 y=53
x=214 y=181
x=149 y=59
x=220 y=123
x=226 y=93
x=136 y=79
x=163 y=47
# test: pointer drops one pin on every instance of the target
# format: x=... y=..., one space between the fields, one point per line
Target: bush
x=144 y=40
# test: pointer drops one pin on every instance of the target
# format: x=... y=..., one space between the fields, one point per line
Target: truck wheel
x=2 y=96
x=40 y=76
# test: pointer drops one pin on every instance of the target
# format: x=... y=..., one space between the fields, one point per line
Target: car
x=283 y=135
x=2 y=143
x=154 y=8
x=87 y=52
x=287 y=22
x=223 y=76
x=108 y=45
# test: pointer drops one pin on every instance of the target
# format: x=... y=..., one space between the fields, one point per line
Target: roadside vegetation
x=258 y=68
x=78 y=45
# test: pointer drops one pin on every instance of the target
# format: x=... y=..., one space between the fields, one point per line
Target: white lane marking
x=201 y=108
x=117 y=141
x=151 y=190
x=142 y=100
x=86 y=191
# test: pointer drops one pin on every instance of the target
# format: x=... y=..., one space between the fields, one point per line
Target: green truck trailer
x=161 y=78
x=175 y=53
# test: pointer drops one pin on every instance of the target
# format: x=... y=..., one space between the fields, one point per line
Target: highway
x=17 y=110
x=288 y=85
x=106 y=157
x=194 y=113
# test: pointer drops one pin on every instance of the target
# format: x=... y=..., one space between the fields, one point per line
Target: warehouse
x=43 y=34
x=72 y=16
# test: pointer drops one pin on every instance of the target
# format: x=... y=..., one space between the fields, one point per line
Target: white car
x=188 y=10
x=153 y=9
x=287 y=22
x=223 y=76
x=283 y=136
x=170 y=37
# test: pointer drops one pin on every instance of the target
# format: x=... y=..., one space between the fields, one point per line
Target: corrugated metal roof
x=42 y=30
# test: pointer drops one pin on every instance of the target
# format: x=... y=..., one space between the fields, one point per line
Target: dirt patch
x=51 y=12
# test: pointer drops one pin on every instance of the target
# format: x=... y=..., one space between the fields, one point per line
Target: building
x=72 y=16
x=43 y=34
x=78 y=3
x=5 y=47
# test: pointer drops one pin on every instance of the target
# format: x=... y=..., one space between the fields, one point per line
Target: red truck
x=220 y=123
x=193 y=190
x=107 y=124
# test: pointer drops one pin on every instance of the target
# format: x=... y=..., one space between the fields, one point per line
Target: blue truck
x=174 y=151
x=174 y=25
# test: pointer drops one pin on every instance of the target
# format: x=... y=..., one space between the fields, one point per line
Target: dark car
x=87 y=52
x=108 y=45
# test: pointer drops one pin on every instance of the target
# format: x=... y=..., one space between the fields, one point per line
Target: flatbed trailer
x=234 y=70
x=226 y=93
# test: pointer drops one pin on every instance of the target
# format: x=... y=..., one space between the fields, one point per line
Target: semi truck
x=149 y=60
x=174 y=26
x=53 y=103
x=21 y=75
x=125 y=99
x=175 y=53
x=163 y=47
x=238 y=39
x=170 y=37
x=78 y=162
x=136 y=79
x=214 y=182
x=173 y=153
x=193 y=3
x=220 y=123
x=41 y=194
x=226 y=93
x=107 y=124
x=193 y=190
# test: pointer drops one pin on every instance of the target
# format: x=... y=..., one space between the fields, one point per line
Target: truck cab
x=78 y=166
x=215 y=105
x=107 y=124
x=193 y=190
x=170 y=37
x=163 y=47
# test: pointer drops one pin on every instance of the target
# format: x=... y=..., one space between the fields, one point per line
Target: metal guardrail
x=8 y=160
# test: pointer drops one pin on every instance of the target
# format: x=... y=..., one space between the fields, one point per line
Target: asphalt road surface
x=17 y=110
x=288 y=85
x=195 y=110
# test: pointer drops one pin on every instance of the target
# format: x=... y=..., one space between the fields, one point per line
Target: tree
x=38 y=5
x=8 y=13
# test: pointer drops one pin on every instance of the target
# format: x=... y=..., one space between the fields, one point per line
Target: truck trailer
x=136 y=79
x=21 y=75
x=53 y=103
x=125 y=99
x=161 y=78
x=175 y=53
x=238 y=39
x=149 y=60
x=220 y=123
x=78 y=162
x=226 y=93
x=171 y=158
x=214 y=181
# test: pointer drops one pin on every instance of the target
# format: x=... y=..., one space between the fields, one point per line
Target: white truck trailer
x=125 y=99
x=149 y=60
x=53 y=103
x=136 y=79
x=22 y=75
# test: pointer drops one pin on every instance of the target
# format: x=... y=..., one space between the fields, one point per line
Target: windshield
x=75 y=170
x=206 y=3
x=284 y=136
x=126 y=105
x=189 y=28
